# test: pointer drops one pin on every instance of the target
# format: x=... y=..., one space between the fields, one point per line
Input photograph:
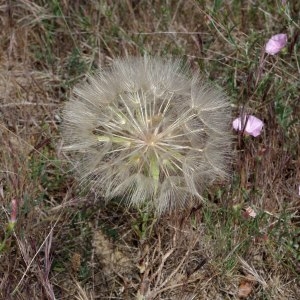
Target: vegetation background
x=65 y=244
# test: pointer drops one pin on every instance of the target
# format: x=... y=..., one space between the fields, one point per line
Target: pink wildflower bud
x=276 y=43
x=249 y=124
x=14 y=211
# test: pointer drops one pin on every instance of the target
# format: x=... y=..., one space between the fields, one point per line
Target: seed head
x=148 y=131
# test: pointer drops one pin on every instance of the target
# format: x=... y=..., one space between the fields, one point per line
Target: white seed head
x=149 y=131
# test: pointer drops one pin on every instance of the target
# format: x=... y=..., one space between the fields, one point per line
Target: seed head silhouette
x=149 y=131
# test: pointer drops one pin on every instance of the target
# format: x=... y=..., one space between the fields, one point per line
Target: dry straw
x=149 y=131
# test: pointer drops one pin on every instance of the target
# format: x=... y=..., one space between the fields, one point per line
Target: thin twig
x=27 y=103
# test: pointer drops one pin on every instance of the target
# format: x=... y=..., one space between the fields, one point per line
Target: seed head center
x=150 y=139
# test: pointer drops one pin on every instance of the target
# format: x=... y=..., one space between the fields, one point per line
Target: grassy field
x=58 y=241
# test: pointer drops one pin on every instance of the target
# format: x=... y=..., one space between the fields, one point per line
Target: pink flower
x=249 y=212
x=276 y=43
x=249 y=124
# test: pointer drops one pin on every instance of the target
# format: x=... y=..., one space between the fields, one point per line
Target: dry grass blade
x=83 y=294
x=47 y=244
x=251 y=270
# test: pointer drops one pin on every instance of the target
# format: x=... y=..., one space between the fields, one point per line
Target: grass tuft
x=217 y=250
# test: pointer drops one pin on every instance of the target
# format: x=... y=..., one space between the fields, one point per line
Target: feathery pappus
x=150 y=131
